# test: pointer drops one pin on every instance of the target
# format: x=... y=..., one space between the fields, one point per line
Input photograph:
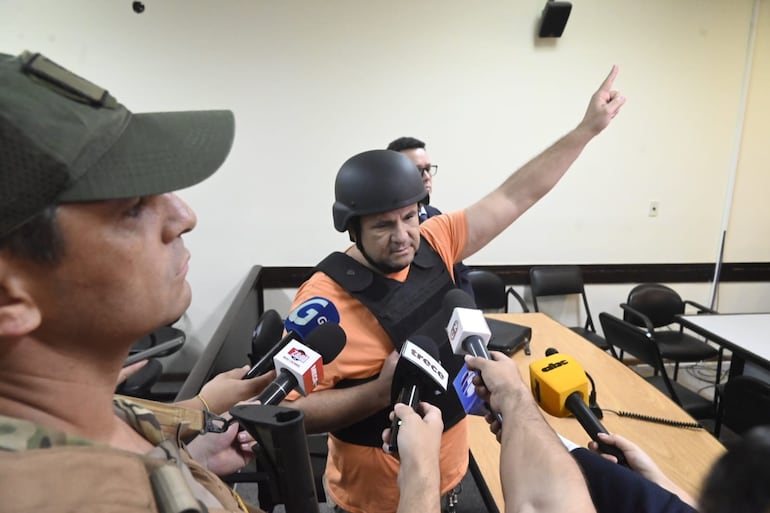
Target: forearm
x=333 y=409
x=419 y=487
x=522 y=189
x=664 y=482
x=534 y=463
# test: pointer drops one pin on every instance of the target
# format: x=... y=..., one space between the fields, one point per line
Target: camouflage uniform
x=42 y=469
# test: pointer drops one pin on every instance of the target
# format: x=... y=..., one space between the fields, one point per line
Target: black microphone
x=417 y=372
x=267 y=332
x=300 y=367
x=301 y=321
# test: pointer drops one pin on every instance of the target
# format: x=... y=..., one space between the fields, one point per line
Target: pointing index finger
x=607 y=84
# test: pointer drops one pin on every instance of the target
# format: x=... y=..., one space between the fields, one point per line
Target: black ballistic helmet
x=373 y=182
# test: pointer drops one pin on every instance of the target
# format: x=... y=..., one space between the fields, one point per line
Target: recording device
x=560 y=386
x=417 y=373
x=301 y=321
x=158 y=350
x=267 y=332
x=301 y=368
x=138 y=7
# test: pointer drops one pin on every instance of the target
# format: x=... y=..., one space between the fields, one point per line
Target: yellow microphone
x=554 y=379
x=560 y=386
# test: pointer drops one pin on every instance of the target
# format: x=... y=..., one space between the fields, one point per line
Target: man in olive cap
x=91 y=259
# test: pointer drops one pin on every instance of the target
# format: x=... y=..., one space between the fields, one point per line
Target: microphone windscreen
x=328 y=340
x=426 y=344
x=267 y=332
x=310 y=314
x=457 y=298
x=553 y=379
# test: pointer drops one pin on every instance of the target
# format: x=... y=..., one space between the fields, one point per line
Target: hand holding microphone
x=418 y=374
x=467 y=329
x=308 y=316
x=502 y=387
x=561 y=388
x=300 y=367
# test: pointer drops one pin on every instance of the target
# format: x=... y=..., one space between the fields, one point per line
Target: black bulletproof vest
x=413 y=307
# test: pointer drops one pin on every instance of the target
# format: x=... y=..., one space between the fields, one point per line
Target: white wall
x=311 y=83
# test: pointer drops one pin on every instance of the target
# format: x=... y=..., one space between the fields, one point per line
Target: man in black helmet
x=390 y=284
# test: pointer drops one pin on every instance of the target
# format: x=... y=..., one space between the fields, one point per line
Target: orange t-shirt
x=364 y=479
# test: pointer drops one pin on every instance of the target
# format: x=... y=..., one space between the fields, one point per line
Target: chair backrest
x=661 y=304
x=559 y=280
x=637 y=342
x=745 y=403
x=488 y=289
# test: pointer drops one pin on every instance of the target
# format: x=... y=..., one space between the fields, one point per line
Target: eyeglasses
x=431 y=169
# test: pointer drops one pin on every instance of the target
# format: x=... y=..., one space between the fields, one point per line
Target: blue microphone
x=301 y=321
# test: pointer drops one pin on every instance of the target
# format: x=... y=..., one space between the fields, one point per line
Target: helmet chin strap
x=384 y=269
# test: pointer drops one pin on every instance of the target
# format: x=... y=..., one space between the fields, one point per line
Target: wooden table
x=685 y=455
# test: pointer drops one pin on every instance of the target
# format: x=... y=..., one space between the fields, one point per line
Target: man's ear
x=19 y=314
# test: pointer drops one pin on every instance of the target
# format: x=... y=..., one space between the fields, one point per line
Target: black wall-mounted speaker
x=555 y=16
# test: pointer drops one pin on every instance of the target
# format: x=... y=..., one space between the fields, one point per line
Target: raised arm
x=533 y=461
x=497 y=210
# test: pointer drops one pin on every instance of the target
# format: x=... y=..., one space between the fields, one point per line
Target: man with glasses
x=415 y=150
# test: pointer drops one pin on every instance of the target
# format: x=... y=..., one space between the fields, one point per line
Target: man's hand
x=419 y=445
x=637 y=459
x=385 y=379
x=500 y=381
x=416 y=434
x=223 y=453
x=641 y=462
x=604 y=105
x=227 y=389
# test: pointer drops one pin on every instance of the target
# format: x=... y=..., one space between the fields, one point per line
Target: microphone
x=560 y=386
x=267 y=331
x=301 y=321
x=417 y=372
x=469 y=333
x=300 y=367
x=468 y=330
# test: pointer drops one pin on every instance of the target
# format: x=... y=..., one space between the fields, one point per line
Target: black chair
x=142 y=383
x=490 y=293
x=655 y=307
x=742 y=403
x=642 y=345
x=565 y=280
